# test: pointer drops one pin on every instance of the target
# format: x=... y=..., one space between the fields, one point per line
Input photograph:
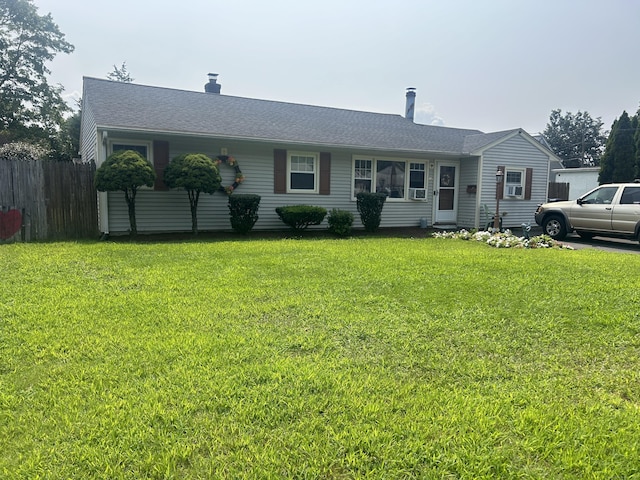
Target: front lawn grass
x=357 y=358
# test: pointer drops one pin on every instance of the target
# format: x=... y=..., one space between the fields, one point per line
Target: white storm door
x=446 y=192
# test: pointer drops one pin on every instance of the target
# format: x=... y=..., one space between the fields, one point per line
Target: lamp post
x=496 y=217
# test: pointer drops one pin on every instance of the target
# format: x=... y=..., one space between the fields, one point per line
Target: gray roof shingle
x=157 y=109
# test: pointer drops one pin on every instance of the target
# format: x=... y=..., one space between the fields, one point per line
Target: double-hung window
x=362 y=176
x=514 y=183
x=396 y=178
x=417 y=175
x=302 y=172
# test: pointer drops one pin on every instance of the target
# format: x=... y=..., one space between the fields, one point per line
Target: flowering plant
x=504 y=239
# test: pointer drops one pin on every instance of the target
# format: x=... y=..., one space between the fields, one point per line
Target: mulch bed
x=205 y=236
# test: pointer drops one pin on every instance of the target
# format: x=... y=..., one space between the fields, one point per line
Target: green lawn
x=318 y=358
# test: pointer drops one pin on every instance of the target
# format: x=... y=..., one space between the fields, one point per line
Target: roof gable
x=477 y=144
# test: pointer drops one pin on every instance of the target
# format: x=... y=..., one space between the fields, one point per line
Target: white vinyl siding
x=168 y=211
x=88 y=136
x=515 y=153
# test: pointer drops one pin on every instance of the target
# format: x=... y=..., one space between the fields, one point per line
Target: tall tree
x=30 y=107
x=606 y=164
x=120 y=74
x=619 y=160
x=576 y=138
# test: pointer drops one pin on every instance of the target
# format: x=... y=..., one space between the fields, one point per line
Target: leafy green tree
x=30 y=108
x=606 y=164
x=196 y=173
x=619 y=160
x=576 y=138
x=120 y=74
x=125 y=170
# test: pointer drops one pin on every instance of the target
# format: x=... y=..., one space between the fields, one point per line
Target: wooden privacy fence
x=53 y=200
x=558 y=191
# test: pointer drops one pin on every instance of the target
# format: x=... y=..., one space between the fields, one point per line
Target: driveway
x=603 y=243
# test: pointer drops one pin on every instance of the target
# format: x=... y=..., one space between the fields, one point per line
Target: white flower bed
x=504 y=239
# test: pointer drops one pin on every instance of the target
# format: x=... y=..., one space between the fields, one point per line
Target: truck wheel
x=554 y=226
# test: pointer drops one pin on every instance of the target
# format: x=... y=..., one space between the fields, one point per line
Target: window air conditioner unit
x=514 y=191
x=418 y=194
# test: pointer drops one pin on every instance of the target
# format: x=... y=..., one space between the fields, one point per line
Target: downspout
x=103 y=197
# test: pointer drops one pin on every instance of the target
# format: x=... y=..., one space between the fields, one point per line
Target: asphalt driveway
x=603 y=243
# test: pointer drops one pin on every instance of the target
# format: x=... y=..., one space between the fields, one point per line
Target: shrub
x=340 y=222
x=370 y=209
x=196 y=173
x=243 y=210
x=23 y=151
x=300 y=217
x=125 y=170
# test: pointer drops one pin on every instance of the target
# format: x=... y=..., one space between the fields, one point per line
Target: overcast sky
x=484 y=64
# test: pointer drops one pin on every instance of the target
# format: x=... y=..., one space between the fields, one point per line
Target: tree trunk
x=193 y=203
x=131 y=203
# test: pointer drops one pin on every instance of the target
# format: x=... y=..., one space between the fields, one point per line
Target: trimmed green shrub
x=370 y=209
x=340 y=222
x=196 y=173
x=125 y=170
x=300 y=217
x=243 y=210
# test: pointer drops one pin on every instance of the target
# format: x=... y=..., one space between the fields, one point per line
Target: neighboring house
x=302 y=154
x=580 y=180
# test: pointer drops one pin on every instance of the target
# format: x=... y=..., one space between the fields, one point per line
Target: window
x=302 y=172
x=417 y=175
x=630 y=196
x=143 y=148
x=603 y=195
x=390 y=178
x=397 y=178
x=363 y=176
x=514 y=183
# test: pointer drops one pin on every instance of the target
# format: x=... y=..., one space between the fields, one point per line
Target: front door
x=446 y=193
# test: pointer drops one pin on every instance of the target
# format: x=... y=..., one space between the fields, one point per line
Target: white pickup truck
x=611 y=210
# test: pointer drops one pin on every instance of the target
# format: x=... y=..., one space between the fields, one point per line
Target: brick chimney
x=212 y=86
x=411 y=103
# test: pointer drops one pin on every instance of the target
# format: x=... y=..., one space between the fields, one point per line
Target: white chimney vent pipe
x=411 y=103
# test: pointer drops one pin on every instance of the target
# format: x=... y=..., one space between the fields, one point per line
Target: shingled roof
x=118 y=105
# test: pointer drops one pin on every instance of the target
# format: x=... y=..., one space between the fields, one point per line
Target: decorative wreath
x=239 y=178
